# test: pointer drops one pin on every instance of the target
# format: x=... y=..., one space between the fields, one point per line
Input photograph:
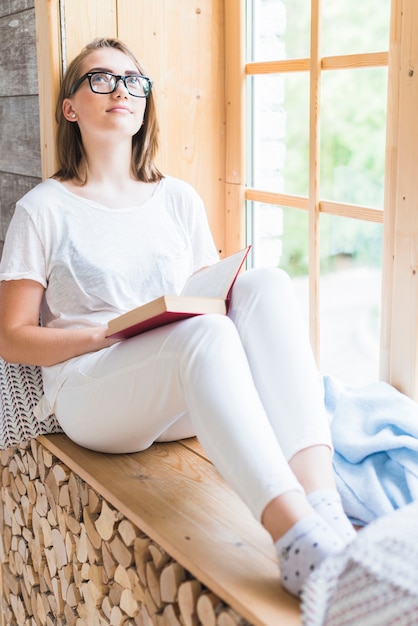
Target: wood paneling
x=400 y=280
x=235 y=125
x=48 y=33
x=10 y=7
x=12 y=187
x=18 y=68
x=20 y=148
x=86 y=20
x=19 y=116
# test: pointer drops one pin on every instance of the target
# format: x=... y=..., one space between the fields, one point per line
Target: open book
x=206 y=291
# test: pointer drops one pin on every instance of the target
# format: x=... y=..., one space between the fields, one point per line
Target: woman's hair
x=69 y=146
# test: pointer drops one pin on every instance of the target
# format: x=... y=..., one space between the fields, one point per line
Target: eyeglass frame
x=118 y=78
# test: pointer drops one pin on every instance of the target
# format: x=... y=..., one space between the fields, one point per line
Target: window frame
x=399 y=298
x=315 y=65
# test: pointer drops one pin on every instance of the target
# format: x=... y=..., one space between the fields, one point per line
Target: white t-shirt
x=95 y=262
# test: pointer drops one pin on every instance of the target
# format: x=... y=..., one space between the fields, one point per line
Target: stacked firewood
x=69 y=558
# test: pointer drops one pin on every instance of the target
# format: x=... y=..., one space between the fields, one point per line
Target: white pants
x=246 y=384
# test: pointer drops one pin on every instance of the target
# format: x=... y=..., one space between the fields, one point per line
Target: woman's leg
x=183 y=379
x=266 y=314
x=274 y=336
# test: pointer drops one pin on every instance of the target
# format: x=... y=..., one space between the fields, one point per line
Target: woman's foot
x=327 y=503
x=302 y=548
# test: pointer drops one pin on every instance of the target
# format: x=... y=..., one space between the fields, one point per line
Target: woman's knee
x=210 y=327
x=263 y=279
x=208 y=337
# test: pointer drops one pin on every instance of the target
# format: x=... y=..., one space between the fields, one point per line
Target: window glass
x=279 y=133
x=354 y=27
x=279 y=236
x=350 y=287
x=352 y=120
x=278 y=29
x=353 y=114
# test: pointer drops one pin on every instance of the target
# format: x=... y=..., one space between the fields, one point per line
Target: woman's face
x=101 y=116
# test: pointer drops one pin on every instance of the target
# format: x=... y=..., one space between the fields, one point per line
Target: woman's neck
x=106 y=163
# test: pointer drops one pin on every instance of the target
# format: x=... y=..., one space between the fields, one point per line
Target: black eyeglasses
x=104 y=82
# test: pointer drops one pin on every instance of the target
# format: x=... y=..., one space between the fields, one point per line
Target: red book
x=207 y=291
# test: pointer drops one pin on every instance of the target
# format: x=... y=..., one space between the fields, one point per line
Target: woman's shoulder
x=39 y=195
x=179 y=187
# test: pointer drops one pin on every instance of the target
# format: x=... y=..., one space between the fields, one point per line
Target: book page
x=216 y=280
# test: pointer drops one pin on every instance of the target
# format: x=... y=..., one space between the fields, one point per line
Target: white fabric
x=246 y=384
x=96 y=262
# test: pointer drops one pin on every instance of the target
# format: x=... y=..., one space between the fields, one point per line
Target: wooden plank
x=234 y=217
x=353 y=61
x=50 y=69
x=282 y=199
x=9 y=7
x=12 y=187
x=18 y=69
x=179 y=500
x=193 y=444
x=86 y=20
x=391 y=165
x=235 y=92
x=314 y=177
x=403 y=370
x=354 y=211
x=277 y=67
x=20 y=149
x=340 y=209
x=235 y=125
x=344 y=61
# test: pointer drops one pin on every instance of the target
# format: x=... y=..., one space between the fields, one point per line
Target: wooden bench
x=155 y=537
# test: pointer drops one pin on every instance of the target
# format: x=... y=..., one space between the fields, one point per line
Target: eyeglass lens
x=106 y=83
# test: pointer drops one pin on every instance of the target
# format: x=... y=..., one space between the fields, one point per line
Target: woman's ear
x=68 y=111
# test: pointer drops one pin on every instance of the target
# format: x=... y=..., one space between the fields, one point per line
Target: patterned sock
x=327 y=503
x=302 y=548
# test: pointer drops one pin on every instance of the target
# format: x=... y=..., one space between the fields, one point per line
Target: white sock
x=327 y=503
x=302 y=548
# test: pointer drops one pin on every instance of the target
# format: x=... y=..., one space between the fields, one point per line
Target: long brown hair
x=69 y=146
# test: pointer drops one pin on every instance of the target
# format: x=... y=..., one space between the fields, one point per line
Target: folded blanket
x=375 y=435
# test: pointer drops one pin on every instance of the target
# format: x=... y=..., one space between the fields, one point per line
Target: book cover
x=206 y=291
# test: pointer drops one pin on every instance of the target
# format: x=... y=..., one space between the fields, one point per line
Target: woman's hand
x=22 y=340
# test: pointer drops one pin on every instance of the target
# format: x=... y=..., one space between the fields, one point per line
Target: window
x=316 y=102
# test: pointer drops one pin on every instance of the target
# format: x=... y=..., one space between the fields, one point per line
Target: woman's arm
x=22 y=340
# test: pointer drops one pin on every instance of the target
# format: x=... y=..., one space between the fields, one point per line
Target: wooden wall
x=20 y=159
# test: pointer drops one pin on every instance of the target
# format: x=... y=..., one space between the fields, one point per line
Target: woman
x=108 y=232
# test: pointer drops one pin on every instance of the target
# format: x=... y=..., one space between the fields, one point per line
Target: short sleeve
x=203 y=245
x=23 y=253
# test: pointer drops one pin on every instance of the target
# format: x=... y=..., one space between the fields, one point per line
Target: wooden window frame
x=399 y=325
x=315 y=65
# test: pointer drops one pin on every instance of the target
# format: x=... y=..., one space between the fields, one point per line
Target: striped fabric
x=374 y=582
x=20 y=391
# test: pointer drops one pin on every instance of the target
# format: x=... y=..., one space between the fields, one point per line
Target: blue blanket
x=375 y=435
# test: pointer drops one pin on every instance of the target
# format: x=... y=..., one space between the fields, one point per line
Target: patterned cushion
x=374 y=582
x=20 y=391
